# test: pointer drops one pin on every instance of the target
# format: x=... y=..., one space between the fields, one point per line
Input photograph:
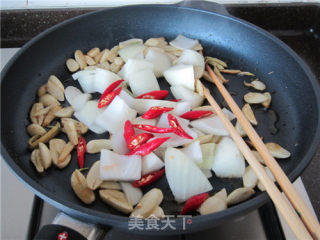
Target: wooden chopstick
x=309 y=220
x=288 y=213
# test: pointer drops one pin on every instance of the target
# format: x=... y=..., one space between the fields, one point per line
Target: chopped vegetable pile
x=150 y=137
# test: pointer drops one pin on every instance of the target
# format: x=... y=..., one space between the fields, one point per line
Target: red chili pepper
x=112 y=86
x=153 y=129
x=154 y=112
x=128 y=132
x=161 y=94
x=106 y=99
x=194 y=203
x=148 y=147
x=149 y=178
x=139 y=140
x=175 y=100
x=81 y=149
x=177 y=129
x=192 y=115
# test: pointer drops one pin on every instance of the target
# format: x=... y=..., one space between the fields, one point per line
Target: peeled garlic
x=45 y=155
x=80 y=187
x=239 y=195
x=110 y=185
x=93 y=176
x=55 y=88
x=249 y=178
x=255 y=98
x=148 y=203
x=93 y=52
x=35 y=129
x=116 y=199
x=48 y=100
x=64 y=112
x=256 y=84
x=212 y=204
x=70 y=128
x=90 y=61
x=95 y=146
x=156 y=42
x=56 y=146
x=199 y=87
x=240 y=130
x=42 y=90
x=222 y=194
x=80 y=58
x=104 y=65
x=80 y=127
x=35 y=159
x=36 y=108
x=267 y=103
x=260 y=185
x=72 y=65
x=64 y=156
x=51 y=115
x=113 y=53
x=277 y=151
x=247 y=111
x=157 y=213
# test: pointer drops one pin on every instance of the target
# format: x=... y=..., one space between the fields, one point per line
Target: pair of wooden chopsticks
x=306 y=227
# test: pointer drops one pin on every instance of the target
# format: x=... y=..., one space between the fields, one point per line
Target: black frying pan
x=295 y=94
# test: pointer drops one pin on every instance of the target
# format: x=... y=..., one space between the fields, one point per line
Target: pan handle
x=204 y=5
x=65 y=227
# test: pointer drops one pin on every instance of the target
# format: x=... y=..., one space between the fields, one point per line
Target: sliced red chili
x=81 y=149
x=161 y=94
x=153 y=129
x=128 y=132
x=192 y=115
x=194 y=203
x=108 y=98
x=148 y=147
x=138 y=140
x=154 y=112
x=112 y=86
x=177 y=129
x=149 y=178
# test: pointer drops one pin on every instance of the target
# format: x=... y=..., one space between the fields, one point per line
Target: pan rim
x=77 y=209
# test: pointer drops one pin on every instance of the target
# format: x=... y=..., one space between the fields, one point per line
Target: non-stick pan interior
x=294 y=101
